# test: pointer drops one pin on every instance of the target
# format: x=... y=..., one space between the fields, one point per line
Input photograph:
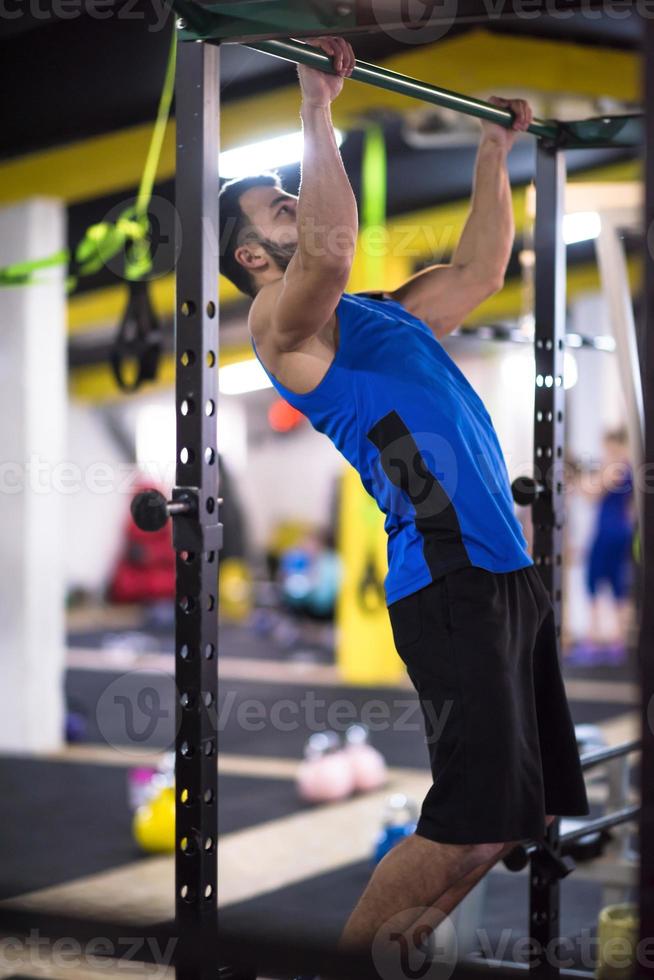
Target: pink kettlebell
x=325 y=775
x=367 y=764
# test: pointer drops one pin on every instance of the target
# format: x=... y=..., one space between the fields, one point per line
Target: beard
x=281 y=254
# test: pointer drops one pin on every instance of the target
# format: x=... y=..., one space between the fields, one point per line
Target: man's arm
x=304 y=300
x=443 y=295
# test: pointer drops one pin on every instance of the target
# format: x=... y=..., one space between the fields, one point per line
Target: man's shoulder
x=260 y=317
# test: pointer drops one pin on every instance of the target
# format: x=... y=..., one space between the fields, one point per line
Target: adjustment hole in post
x=187 y=893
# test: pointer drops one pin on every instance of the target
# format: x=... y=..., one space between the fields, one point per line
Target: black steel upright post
x=197 y=533
x=549 y=308
x=646 y=644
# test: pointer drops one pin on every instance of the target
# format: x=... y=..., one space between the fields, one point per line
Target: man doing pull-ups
x=471 y=618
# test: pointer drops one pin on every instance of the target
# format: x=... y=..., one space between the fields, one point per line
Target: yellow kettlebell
x=236 y=590
x=154 y=823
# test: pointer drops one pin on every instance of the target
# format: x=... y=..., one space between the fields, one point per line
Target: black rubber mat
x=264 y=719
x=134 y=709
x=245 y=801
x=624 y=672
x=62 y=820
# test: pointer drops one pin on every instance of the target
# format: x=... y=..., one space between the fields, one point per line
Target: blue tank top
x=402 y=413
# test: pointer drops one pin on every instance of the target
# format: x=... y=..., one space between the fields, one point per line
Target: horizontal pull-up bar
x=305 y=54
x=603 y=131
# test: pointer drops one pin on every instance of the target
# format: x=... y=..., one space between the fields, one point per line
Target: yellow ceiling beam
x=86 y=169
x=97 y=384
x=471 y=63
x=101 y=307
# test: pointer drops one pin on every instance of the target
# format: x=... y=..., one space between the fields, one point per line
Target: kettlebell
x=325 y=775
x=399 y=821
x=139 y=786
x=367 y=764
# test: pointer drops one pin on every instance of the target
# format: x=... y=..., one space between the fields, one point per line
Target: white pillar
x=32 y=484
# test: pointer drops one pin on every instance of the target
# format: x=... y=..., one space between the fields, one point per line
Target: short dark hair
x=619 y=437
x=233 y=222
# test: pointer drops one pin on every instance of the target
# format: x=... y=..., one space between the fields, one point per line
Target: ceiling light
x=280 y=151
x=580 y=226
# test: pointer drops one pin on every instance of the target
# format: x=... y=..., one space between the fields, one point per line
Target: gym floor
x=67 y=845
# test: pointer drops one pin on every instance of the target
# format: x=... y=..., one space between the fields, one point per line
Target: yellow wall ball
x=154 y=823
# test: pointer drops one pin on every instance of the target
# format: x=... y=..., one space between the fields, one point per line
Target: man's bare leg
x=432 y=917
x=413 y=875
x=595 y=622
x=624 y=616
x=449 y=900
x=418 y=873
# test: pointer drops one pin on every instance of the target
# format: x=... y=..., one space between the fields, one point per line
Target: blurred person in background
x=608 y=560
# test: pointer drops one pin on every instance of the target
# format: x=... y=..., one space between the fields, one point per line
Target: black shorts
x=480 y=648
